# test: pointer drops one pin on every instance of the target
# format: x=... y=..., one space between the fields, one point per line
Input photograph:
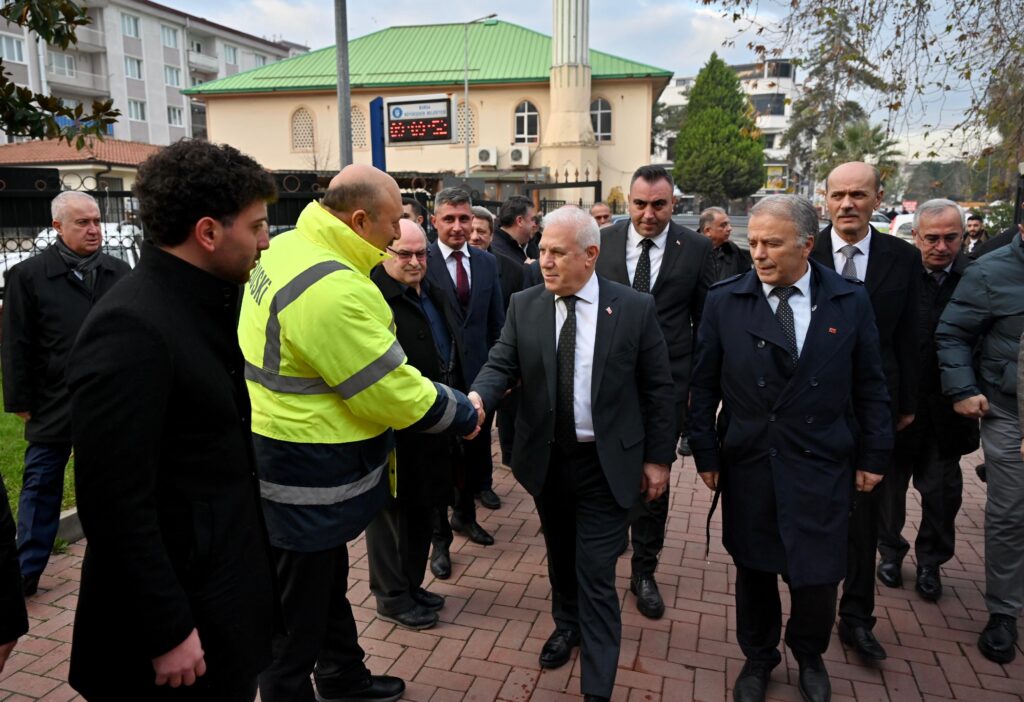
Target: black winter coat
x=166 y=484
x=424 y=460
x=44 y=307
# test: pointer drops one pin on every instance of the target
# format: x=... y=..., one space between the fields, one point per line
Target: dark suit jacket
x=784 y=451
x=510 y=275
x=503 y=244
x=729 y=260
x=936 y=424
x=631 y=386
x=480 y=323
x=687 y=271
x=892 y=282
x=424 y=460
x=44 y=307
x=166 y=483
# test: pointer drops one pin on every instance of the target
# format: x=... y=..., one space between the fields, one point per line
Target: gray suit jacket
x=632 y=394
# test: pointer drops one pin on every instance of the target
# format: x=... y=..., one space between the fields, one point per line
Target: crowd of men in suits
x=810 y=376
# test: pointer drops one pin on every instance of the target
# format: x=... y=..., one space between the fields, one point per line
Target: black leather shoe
x=375 y=688
x=594 y=698
x=427 y=600
x=998 y=642
x=558 y=647
x=980 y=471
x=648 y=599
x=752 y=682
x=890 y=572
x=472 y=531
x=684 y=446
x=419 y=617
x=929 y=583
x=441 y=563
x=489 y=499
x=29 y=586
x=861 y=640
x=814 y=682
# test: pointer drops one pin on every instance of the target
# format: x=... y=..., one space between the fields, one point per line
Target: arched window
x=359 y=135
x=601 y=119
x=527 y=123
x=462 y=125
x=302 y=130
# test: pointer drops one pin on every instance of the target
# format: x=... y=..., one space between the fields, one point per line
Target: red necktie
x=461 y=280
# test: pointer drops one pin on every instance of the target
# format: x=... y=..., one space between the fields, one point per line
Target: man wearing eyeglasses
x=930 y=448
x=655 y=255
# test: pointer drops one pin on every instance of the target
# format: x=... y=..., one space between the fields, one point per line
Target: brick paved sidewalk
x=497 y=618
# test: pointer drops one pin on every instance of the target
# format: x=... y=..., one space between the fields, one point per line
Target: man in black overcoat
x=888 y=267
x=398 y=538
x=45 y=302
x=790 y=350
x=176 y=600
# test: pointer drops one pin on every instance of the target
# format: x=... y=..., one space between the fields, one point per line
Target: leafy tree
x=923 y=48
x=27 y=113
x=859 y=141
x=719 y=151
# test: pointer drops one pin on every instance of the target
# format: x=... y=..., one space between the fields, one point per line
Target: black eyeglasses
x=407 y=255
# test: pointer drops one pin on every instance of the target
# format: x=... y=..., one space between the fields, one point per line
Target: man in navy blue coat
x=791 y=351
x=468 y=280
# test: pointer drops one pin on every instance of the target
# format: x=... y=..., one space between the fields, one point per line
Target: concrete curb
x=70 y=529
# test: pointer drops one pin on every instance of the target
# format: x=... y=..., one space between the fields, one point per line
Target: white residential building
x=141 y=54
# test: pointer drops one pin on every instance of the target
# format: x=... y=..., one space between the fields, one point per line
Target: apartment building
x=772 y=88
x=141 y=54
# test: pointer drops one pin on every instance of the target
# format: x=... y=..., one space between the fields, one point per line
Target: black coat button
x=771 y=417
x=760 y=343
x=761 y=382
x=809 y=419
x=773 y=452
x=814 y=382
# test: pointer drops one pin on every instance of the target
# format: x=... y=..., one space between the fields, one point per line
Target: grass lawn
x=12 y=460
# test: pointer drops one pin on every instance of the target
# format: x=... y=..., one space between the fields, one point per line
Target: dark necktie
x=939 y=276
x=565 y=417
x=461 y=280
x=784 y=313
x=642 y=275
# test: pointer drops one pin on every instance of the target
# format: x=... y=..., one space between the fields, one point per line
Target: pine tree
x=719 y=152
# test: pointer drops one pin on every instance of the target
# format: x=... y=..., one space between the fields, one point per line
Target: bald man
x=329 y=382
x=890 y=270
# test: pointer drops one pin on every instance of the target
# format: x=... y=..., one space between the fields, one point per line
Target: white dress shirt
x=859 y=260
x=450 y=261
x=586 y=332
x=634 y=249
x=799 y=302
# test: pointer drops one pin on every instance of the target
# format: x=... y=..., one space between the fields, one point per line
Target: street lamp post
x=465 y=84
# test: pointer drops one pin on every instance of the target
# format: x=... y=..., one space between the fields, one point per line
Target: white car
x=902 y=226
x=880 y=222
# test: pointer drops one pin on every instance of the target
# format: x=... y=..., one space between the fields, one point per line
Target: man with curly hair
x=176 y=599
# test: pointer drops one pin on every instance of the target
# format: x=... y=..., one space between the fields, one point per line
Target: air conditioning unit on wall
x=487 y=155
x=519 y=155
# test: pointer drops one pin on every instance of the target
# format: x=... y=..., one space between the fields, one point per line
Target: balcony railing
x=203 y=62
x=80 y=81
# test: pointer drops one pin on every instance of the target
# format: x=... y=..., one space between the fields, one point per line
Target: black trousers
x=584 y=529
x=759 y=616
x=940 y=483
x=320 y=634
x=397 y=548
x=479 y=462
x=857 y=605
x=506 y=421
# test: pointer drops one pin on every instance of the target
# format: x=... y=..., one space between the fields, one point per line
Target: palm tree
x=859 y=141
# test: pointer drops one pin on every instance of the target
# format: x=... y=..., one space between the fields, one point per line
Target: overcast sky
x=676 y=35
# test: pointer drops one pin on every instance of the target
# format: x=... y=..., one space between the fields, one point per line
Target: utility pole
x=344 y=97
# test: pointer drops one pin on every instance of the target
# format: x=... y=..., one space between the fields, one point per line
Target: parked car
x=880 y=221
x=902 y=226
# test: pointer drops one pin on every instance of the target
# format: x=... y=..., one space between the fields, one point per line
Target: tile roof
x=52 y=151
x=425 y=55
